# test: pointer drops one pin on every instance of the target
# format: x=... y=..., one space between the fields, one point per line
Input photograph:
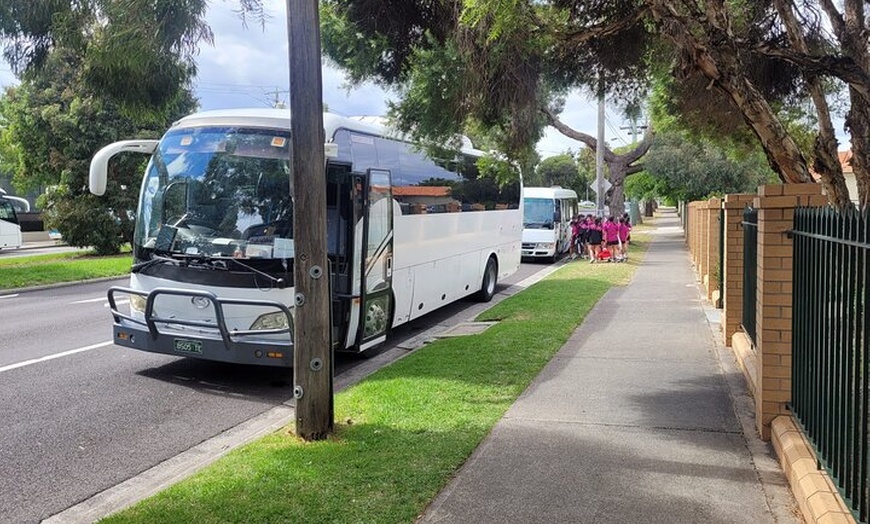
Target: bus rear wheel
x=490 y=279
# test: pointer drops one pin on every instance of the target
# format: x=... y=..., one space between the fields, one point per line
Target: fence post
x=711 y=248
x=732 y=269
x=775 y=204
x=703 y=221
x=694 y=232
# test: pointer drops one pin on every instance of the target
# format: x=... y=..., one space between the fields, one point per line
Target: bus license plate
x=188 y=346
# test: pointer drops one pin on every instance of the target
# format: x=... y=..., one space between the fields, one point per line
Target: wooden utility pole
x=312 y=360
x=599 y=153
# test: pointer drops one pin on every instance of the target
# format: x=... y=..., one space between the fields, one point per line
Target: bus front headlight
x=137 y=303
x=548 y=245
x=276 y=320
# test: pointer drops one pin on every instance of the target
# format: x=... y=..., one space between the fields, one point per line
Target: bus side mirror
x=100 y=163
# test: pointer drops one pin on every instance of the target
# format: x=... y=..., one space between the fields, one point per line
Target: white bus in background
x=10 y=228
x=547 y=213
x=213 y=249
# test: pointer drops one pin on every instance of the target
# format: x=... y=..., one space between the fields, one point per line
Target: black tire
x=490 y=279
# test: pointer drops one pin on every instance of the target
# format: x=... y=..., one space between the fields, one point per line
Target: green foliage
x=449 y=75
x=559 y=170
x=499 y=169
x=54 y=125
x=645 y=186
x=138 y=52
x=682 y=169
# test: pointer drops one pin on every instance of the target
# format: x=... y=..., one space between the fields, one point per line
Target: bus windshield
x=7 y=211
x=538 y=213
x=212 y=191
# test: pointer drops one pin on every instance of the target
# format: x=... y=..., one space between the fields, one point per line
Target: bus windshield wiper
x=280 y=283
x=204 y=261
x=155 y=260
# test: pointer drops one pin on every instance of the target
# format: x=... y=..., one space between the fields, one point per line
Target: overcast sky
x=249 y=67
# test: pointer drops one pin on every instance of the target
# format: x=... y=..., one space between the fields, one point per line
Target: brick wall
x=776 y=204
x=732 y=303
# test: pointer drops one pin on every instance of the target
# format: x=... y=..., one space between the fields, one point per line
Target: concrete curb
x=819 y=500
x=56 y=285
x=745 y=355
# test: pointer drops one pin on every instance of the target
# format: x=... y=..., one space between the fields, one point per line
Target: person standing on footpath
x=594 y=240
x=610 y=230
x=624 y=237
x=575 y=237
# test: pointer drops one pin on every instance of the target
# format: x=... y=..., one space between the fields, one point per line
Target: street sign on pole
x=604 y=184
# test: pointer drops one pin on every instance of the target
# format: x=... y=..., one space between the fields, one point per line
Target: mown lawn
x=402 y=432
x=39 y=270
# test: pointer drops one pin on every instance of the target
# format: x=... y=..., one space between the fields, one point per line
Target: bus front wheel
x=490 y=279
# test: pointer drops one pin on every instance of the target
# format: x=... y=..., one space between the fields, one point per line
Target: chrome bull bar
x=230 y=338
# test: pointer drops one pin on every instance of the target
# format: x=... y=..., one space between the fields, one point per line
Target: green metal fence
x=830 y=345
x=750 y=270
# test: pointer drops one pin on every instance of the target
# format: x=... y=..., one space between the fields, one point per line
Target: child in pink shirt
x=624 y=232
x=610 y=230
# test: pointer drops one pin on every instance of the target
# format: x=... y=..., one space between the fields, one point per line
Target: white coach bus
x=547 y=213
x=213 y=248
x=10 y=228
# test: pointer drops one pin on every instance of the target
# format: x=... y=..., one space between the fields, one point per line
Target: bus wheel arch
x=489 y=280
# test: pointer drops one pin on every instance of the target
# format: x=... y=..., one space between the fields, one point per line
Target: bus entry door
x=377 y=266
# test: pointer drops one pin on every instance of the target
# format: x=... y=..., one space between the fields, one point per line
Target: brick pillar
x=732 y=313
x=699 y=228
x=711 y=248
x=696 y=219
x=690 y=218
x=690 y=229
x=776 y=205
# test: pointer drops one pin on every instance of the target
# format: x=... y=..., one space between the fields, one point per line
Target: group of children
x=600 y=240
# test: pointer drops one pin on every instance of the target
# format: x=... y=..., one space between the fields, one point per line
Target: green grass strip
x=39 y=270
x=402 y=432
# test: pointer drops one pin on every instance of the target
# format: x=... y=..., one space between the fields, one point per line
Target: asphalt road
x=81 y=415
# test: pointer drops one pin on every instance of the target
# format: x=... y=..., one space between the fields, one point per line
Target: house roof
x=429 y=191
x=846 y=160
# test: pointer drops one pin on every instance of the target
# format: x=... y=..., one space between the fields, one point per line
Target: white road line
x=9 y=296
x=117 y=303
x=52 y=357
x=89 y=300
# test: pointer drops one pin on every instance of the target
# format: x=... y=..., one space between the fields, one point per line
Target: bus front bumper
x=198 y=339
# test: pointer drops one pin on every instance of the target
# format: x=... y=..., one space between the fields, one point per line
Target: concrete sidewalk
x=641 y=417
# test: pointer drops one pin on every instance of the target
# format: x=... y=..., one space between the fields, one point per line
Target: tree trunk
x=853 y=38
x=716 y=57
x=619 y=166
x=827 y=161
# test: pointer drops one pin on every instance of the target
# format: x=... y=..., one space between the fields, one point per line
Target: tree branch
x=590 y=142
x=637 y=168
x=584 y=34
x=841 y=67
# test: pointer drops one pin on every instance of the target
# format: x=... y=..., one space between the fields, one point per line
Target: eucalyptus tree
x=504 y=63
x=560 y=170
x=52 y=125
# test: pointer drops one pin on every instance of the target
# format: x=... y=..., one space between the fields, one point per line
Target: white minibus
x=547 y=214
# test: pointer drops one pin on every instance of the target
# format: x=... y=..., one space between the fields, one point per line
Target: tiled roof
x=429 y=191
x=845 y=159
